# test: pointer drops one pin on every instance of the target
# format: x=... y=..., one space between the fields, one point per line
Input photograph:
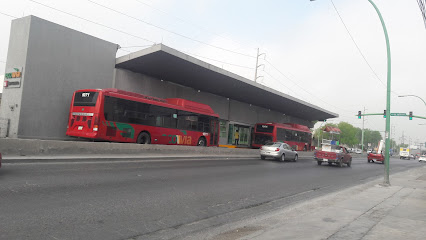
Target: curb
x=38 y=159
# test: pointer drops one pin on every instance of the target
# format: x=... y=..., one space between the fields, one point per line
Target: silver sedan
x=278 y=150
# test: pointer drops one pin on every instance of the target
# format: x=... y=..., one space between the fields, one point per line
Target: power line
x=193 y=54
x=232 y=64
x=191 y=22
x=422 y=5
x=302 y=87
x=126 y=33
x=357 y=47
x=172 y=32
x=7 y=15
x=99 y=24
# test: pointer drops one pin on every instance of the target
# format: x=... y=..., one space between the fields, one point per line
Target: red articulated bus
x=120 y=116
x=297 y=136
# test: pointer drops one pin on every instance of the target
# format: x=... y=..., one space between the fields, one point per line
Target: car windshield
x=273 y=144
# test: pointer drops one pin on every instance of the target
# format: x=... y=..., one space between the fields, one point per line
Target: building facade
x=54 y=61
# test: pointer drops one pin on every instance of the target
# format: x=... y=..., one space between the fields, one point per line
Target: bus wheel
x=202 y=142
x=144 y=138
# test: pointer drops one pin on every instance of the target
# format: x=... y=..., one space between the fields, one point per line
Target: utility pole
x=257 y=65
x=403 y=138
x=362 y=133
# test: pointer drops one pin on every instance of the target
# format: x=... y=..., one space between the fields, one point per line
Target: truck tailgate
x=325 y=155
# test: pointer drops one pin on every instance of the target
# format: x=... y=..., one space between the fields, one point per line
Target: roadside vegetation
x=351 y=136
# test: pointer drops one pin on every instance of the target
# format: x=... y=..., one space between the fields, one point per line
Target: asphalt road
x=160 y=199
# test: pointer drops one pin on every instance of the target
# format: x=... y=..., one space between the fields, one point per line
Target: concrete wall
x=58 y=61
x=11 y=105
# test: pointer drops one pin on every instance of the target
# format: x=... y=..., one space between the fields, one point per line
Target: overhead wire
x=422 y=5
x=172 y=32
x=193 y=54
x=220 y=61
x=7 y=15
x=136 y=36
x=191 y=22
x=288 y=78
x=121 y=48
x=357 y=47
x=96 y=23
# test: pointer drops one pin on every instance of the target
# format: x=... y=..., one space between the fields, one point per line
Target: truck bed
x=330 y=156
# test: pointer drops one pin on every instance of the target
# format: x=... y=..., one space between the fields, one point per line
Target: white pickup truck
x=404 y=153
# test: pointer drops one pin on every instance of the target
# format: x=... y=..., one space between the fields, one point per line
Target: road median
x=33 y=150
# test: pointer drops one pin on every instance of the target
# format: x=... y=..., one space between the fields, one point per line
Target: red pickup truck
x=339 y=157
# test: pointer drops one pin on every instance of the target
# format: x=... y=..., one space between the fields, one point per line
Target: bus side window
x=281 y=134
x=288 y=135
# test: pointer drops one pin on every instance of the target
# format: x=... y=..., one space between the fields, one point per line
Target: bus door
x=214 y=132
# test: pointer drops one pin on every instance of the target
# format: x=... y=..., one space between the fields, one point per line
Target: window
x=126 y=111
x=273 y=145
x=187 y=120
x=85 y=99
x=281 y=134
x=164 y=117
x=264 y=128
x=203 y=123
x=222 y=129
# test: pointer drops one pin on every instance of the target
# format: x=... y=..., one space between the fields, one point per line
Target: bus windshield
x=85 y=99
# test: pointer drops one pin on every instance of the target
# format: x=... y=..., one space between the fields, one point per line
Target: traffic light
x=410 y=116
x=384 y=113
x=359 y=114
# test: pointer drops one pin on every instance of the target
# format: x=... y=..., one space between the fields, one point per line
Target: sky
x=306 y=49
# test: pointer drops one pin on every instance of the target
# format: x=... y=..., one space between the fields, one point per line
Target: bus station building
x=47 y=62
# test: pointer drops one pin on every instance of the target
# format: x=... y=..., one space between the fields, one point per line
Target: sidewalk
x=368 y=211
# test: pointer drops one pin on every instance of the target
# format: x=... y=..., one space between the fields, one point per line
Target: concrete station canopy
x=171 y=65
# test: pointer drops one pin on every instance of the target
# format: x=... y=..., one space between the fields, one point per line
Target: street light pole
x=413 y=96
x=388 y=97
x=362 y=133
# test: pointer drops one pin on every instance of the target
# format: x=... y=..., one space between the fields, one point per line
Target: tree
x=349 y=134
x=372 y=137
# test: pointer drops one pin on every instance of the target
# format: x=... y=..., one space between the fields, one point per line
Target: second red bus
x=297 y=136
